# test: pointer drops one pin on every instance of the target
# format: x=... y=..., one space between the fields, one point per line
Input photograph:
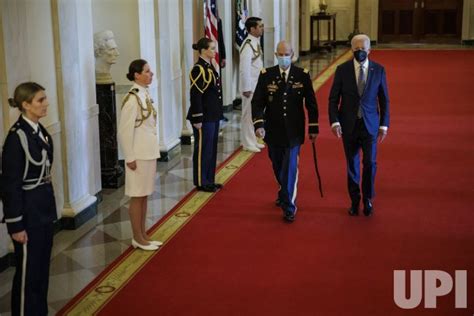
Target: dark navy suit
x=279 y=107
x=29 y=204
x=206 y=108
x=360 y=132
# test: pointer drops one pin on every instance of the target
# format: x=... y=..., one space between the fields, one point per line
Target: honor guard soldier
x=251 y=62
x=28 y=200
x=278 y=115
x=204 y=114
x=138 y=137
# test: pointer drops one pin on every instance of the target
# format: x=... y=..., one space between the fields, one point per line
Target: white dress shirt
x=35 y=127
x=287 y=73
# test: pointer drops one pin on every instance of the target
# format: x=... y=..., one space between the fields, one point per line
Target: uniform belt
x=44 y=180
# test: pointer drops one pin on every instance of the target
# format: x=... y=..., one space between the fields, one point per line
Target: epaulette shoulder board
x=247 y=41
x=306 y=71
x=264 y=70
x=133 y=91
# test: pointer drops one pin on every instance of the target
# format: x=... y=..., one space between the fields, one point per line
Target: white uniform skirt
x=141 y=181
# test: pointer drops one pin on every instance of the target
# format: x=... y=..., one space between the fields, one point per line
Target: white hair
x=360 y=37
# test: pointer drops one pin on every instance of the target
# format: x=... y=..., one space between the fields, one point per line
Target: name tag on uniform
x=297 y=85
x=272 y=88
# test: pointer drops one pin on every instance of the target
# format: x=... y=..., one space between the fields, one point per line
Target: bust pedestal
x=112 y=174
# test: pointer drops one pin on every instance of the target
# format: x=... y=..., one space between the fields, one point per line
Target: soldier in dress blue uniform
x=204 y=114
x=28 y=199
x=278 y=116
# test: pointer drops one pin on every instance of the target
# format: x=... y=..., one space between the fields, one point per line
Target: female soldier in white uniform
x=137 y=134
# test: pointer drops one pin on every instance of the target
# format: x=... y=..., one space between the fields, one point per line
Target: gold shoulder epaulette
x=264 y=70
x=247 y=41
x=134 y=90
x=306 y=71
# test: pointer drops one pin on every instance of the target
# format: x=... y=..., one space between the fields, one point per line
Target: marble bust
x=106 y=53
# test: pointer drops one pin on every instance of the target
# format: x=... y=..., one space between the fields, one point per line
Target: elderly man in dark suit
x=278 y=112
x=359 y=113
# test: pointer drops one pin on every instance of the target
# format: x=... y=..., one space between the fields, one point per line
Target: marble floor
x=80 y=255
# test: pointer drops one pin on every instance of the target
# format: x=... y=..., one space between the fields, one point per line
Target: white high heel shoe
x=155 y=242
x=150 y=247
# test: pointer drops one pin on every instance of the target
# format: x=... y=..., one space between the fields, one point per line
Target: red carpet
x=237 y=256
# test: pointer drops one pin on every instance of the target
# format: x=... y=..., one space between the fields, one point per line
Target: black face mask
x=360 y=55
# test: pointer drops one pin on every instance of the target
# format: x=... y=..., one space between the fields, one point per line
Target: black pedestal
x=112 y=174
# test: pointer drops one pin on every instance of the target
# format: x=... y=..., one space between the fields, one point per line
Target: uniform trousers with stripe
x=30 y=283
x=285 y=167
x=205 y=153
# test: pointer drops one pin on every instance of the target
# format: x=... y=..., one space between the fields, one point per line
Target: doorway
x=425 y=21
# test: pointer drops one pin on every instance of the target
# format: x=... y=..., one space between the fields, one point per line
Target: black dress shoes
x=289 y=216
x=207 y=188
x=218 y=186
x=368 y=208
x=354 y=209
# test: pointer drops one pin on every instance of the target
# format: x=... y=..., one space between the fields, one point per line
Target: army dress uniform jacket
x=137 y=133
x=206 y=98
x=278 y=106
x=27 y=192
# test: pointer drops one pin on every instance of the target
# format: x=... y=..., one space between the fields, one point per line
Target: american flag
x=242 y=13
x=211 y=31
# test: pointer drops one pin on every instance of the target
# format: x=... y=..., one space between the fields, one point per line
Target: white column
x=374 y=20
x=468 y=21
x=4 y=238
x=78 y=108
x=305 y=25
x=271 y=19
x=187 y=17
x=147 y=46
x=284 y=6
x=293 y=25
x=168 y=72
x=256 y=8
x=27 y=54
